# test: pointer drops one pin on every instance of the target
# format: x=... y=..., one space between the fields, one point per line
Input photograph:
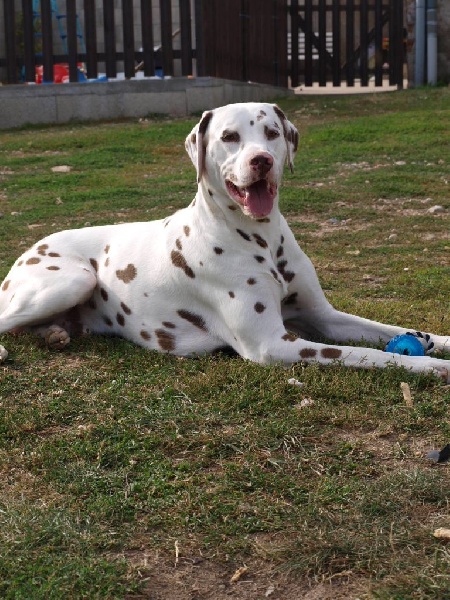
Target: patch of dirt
x=203 y=579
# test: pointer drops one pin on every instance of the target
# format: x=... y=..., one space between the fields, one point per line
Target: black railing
x=31 y=39
x=265 y=41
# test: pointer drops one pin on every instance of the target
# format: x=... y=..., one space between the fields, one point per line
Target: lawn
x=129 y=474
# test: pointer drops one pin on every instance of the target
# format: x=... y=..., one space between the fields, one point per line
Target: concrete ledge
x=39 y=104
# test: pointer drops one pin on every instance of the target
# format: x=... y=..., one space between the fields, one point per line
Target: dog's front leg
x=329 y=323
x=259 y=335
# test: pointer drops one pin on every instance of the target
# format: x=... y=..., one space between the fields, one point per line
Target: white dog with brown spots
x=224 y=272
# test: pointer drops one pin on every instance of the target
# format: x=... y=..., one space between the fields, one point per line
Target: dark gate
x=246 y=40
x=344 y=41
x=266 y=41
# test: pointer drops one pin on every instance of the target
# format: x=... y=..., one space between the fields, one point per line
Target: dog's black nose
x=262 y=162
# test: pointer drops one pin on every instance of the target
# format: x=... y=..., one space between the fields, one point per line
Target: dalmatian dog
x=224 y=272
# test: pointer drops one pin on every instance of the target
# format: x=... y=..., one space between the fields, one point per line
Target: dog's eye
x=272 y=134
x=230 y=136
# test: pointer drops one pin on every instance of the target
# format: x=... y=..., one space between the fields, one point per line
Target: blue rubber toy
x=411 y=344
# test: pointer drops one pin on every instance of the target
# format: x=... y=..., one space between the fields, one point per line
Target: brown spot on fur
x=331 y=353
x=288 y=276
x=218 y=250
x=20 y=263
x=42 y=249
x=289 y=337
x=192 y=318
x=264 y=220
x=94 y=263
x=54 y=254
x=252 y=122
x=179 y=261
x=169 y=324
x=260 y=240
x=166 y=340
x=107 y=262
x=259 y=307
x=280 y=251
x=120 y=319
x=308 y=353
x=259 y=259
x=187 y=230
x=210 y=192
x=231 y=294
x=244 y=235
x=167 y=222
x=128 y=274
x=107 y=320
x=107 y=247
x=33 y=261
x=251 y=281
x=104 y=294
x=52 y=268
x=291 y=299
x=6 y=285
x=125 y=308
x=145 y=335
x=178 y=244
x=232 y=207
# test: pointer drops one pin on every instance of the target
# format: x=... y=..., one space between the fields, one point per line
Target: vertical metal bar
x=72 y=43
x=147 y=38
x=186 y=37
x=350 y=42
x=391 y=43
x=336 y=26
x=90 y=31
x=28 y=41
x=378 y=42
x=322 y=43
x=110 y=38
x=308 y=43
x=199 y=39
x=166 y=36
x=363 y=45
x=10 y=41
x=47 y=41
x=401 y=44
x=245 y=26
x=294 y=43
x=128 y=39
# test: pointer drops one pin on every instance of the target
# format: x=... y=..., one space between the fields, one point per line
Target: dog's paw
x=56 y=338
x=3 y=354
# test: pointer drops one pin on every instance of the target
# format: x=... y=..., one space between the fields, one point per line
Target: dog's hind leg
x=35 y=298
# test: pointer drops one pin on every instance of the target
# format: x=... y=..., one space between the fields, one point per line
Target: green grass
x=112 y=457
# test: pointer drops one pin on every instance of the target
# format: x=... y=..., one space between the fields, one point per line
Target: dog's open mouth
x=257 y=198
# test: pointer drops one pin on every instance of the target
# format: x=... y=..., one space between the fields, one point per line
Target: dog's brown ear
x=290 y=135
x=195 y=144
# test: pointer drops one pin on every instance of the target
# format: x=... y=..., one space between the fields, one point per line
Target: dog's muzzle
x=257 y=198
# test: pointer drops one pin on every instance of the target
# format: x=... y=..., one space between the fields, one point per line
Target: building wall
x=443 y=40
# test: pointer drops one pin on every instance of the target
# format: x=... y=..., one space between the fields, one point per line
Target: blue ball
x=405 y=344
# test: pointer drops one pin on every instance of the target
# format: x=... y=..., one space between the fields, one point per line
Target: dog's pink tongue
x=259 y=199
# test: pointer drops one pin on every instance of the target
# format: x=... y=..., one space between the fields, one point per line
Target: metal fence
x=268 y=41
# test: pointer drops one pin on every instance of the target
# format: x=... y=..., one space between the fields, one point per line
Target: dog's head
x=241 y=149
